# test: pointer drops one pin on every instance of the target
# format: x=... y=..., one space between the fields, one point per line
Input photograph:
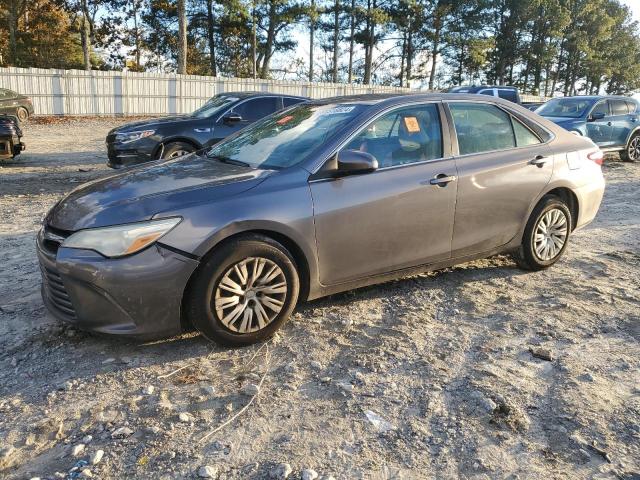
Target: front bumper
x=128 y=154
x=139 y=295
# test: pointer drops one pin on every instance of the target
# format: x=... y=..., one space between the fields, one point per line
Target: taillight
x=596 y=156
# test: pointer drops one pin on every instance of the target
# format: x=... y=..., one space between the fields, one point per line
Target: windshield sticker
x=337 y=110
x=284 y=120
x=412 y=125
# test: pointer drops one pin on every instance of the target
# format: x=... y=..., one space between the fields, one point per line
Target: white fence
x=79 y=92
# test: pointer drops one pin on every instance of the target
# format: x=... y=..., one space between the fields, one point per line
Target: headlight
x=122 y=239
x=133 y=136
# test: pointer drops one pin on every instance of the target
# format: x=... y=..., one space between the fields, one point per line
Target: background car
x=12 y=103
x=10 y=137
x=533 y=106
x=501 y=91
x=171 y=137
x=327 y=196
x=611 y=122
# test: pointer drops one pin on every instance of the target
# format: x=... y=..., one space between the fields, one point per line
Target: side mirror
x=232 y=117
x=352 y=162
x=596 y=116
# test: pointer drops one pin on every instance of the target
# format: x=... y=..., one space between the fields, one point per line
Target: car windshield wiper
x=231 y=161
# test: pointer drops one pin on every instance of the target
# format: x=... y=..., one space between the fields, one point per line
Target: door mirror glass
x=231 y=118
x=596 y=116
x=351 y=162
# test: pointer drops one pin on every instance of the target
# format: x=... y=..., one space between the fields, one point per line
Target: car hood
x=131 y=126
x=140 y=193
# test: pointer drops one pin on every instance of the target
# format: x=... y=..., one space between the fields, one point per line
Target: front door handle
x=443 y=180
x=539 y=161
x=609 y=124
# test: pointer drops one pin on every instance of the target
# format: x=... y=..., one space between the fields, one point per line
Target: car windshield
x=565 y=107
x=213 y=106
x=286 y=138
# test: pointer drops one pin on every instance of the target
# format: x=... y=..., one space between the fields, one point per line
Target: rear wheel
x=632 y=152
x=177 y=149
x=244 y=292
x=546 y=235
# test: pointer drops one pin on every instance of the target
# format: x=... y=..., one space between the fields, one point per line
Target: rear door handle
x=609 y=124
x=539 y=161
x=443 y=180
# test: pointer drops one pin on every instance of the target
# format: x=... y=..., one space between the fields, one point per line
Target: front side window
x=408 y=135
x=481 y=128
x=287 y=138
x=214 y=106
x=565 y=107
x=256 y=108
x=602 y=108
x=487 y=91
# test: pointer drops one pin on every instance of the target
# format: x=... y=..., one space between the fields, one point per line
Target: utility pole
x=312 y=28
x=254 y=41
x=182 y=37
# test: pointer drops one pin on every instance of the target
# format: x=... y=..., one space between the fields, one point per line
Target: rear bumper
x=589 y=200
x=138 y=296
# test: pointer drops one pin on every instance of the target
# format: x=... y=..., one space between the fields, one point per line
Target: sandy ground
x=428 y=377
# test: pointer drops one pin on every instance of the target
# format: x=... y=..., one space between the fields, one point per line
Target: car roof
x=393 y=98
x=248 y=94
x=597 y=97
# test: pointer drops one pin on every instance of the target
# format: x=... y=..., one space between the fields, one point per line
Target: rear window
x=632 y=106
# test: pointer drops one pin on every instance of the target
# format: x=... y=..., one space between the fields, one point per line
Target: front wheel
x=546 y=235
x=177 y=149
x=244 y=292
x=632 y=152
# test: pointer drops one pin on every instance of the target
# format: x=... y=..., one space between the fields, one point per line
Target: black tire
x=632 y=151
x=22 y=114
x=177 y=149
x=200 y=297
x=526 y=256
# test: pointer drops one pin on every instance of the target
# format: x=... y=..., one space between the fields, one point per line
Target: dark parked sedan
x=171 y=137
x=324 y=197
x=613 y=123
x=13 y=103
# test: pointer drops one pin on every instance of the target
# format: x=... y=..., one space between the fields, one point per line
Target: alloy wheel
x=250 y=295
x=550 y=234
x=634 y=148
x=178 y=153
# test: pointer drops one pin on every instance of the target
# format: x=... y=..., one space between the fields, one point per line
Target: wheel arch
x=163 y=144
x=631 y=134
x=569 y=198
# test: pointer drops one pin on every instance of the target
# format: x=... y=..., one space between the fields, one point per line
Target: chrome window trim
x=508 y=112
x=389 y=109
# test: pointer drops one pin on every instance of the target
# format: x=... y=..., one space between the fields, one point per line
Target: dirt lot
x=428 y=377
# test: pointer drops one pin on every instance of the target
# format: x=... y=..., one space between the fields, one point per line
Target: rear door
x=397 y=216
x=621 y=124
x=502 y=167
x=600 y=130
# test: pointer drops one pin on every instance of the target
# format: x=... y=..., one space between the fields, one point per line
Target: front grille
x=54 y=289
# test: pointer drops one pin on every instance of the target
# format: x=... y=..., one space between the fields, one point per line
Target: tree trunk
x=409 y=55
x=312 y=28
x=182 y=37
x=437 y=24
x=402 y=57
x=84 y=37
x=351 y=41
x=13 y=44
x=268 y=49
x=211 y=38
x=336 y=39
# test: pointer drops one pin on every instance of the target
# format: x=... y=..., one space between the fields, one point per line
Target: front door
x=599 y=130
x=249 y=111
x=398 y=216
x=502 y=168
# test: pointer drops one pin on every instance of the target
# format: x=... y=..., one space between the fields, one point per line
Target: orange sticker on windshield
x=412 y=124
x=284 y=120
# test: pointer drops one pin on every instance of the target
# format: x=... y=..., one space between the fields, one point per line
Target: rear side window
x=288 y=101
x=619 y=107
x=256 y=108
x=482 y=128
x=508 y=94
x=524 y=136
x=632 y=106
x=408 y=135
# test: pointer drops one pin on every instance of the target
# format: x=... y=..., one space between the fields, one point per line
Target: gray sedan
x=326 y=196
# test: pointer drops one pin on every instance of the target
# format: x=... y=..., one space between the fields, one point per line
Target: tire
x=22 y=114
x=205 y=298
x=177 y=149
x=632 y=151
x=535 y=256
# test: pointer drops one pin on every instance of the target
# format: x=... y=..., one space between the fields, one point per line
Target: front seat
x=413 y=140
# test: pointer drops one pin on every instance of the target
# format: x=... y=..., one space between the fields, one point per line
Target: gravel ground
x=479 y=371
